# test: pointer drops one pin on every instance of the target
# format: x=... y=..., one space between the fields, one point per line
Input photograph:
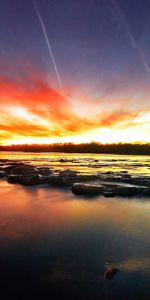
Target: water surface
x=57 y=245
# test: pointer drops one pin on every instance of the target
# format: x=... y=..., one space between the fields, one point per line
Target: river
x=56 y=245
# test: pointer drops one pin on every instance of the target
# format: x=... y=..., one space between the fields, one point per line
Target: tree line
x=120 y=148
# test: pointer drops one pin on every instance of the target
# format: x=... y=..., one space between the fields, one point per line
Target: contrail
x=48 y=45
x=147 y=67
x=120 y=18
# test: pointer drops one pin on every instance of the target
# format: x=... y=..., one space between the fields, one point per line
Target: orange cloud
x=31 y=108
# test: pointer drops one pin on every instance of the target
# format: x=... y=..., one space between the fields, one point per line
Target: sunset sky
x=93 y=84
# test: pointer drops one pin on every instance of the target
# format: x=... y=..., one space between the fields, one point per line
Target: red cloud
x=45 y=103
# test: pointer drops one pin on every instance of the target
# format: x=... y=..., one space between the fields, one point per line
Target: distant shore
x=121 y=148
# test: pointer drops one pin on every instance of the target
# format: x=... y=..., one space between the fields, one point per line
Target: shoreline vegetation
x=93 y=147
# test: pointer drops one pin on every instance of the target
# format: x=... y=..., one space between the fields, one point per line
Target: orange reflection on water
x=85 y=163
x=135 y=264
x=28 y=212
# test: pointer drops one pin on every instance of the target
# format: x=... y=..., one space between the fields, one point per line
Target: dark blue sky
x=92 y=40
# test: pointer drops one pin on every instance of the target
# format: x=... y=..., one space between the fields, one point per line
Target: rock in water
x=26 y=179
x=20 y=168
x=86 y=189
x=124 y=191
x=110 y=273
x=64 y=179
x=22 y=174
x=63 y=160
x=2 y=173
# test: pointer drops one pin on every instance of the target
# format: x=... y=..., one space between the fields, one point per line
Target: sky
x=74 y=71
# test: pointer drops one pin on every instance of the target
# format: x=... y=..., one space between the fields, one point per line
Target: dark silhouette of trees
x=121 y=148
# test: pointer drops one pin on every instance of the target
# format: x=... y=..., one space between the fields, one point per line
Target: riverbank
x=106 y=183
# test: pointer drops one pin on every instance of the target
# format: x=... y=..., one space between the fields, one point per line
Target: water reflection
x=85 y=163
x=133 y=264
x=63 y=243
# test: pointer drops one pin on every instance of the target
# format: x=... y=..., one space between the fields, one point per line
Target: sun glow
x=19 y=112
x=36 y=129
x=39 y=114
x=23 y=113
x=104 y=136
